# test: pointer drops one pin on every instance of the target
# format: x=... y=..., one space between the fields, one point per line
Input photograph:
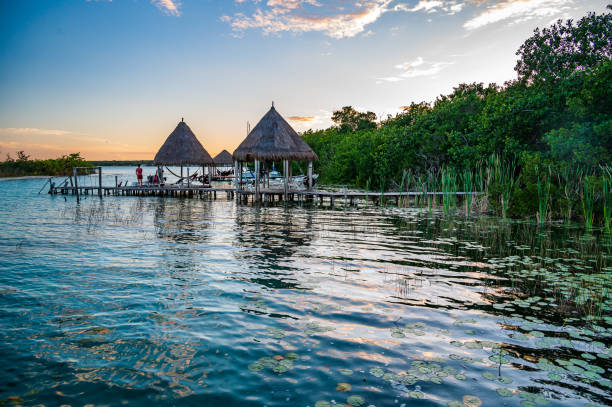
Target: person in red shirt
x=139 y=175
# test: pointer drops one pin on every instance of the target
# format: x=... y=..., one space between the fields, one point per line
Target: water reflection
x=188 y=302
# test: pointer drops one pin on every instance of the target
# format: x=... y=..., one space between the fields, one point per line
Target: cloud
x=31 y=131
x=170 y=7
x=302 y=118
x=517 y=11
x=335 y=18
x=414 y=69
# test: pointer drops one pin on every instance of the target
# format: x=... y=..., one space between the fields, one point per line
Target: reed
x=448 y=179
x=431 y=186
x=405 y=182
x=468 y=187
x=508 y=180
x=588 y=202
x=569 y=179
x=543 y=196
x=607 y=197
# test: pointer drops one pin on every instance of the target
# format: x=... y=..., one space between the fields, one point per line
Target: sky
x=111 y=79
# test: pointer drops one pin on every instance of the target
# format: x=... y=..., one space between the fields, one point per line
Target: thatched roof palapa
x=182 y=148
x=223 y=158
x=273 y=139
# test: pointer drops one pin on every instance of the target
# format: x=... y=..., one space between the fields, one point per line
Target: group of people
x=152 y=179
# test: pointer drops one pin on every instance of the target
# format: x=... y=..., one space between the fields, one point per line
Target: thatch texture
x=273 y=139
x=223 y=158
x=182 y=148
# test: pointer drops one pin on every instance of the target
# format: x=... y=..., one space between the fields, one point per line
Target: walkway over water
x=246 y=195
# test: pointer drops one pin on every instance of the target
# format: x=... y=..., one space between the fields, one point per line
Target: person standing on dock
x=139 y=175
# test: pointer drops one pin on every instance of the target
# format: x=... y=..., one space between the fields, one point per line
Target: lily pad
x=471 y=401
x=343 y=387
x=322 y=403
x=256 y=367
x=355 y=401
x=376 y=371
x=504 y=392
x=416 y=394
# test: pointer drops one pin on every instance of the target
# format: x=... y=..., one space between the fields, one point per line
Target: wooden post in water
x=309 y=175
x=236 y=179
x=286 y=177
x=256 y=180
x=100 y=182
x=188 y=179
x=76 y=183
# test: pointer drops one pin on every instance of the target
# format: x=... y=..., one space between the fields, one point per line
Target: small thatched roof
x=273 y=139
x=181 y=148
x=224 y=158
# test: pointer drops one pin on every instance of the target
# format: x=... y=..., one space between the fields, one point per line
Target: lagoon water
x=161 y=301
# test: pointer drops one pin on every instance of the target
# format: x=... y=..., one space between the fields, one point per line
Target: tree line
x=550 y=129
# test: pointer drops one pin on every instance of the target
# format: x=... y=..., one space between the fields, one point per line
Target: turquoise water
x=149 y=301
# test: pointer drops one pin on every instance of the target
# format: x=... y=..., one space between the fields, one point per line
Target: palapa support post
x=309 y=175
x=181 y=180
x=100 y=182
x=256 y=180
x=188 y=178
x=236 y=180
x=286 y=180
x=76 y=184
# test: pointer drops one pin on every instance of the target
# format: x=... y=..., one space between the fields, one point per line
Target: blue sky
x=111 y=79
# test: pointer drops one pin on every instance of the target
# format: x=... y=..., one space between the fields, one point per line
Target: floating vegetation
x=355 y=401
x=343 y=387
x=314 y=328
x=471 y=401
x=278 y=363
x=276 y=333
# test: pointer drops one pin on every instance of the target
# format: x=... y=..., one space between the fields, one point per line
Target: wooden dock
x=320 y=197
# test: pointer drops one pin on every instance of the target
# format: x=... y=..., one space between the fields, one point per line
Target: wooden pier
x=301 y=196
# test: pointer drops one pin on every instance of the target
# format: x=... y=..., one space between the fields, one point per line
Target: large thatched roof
x=181 y=148
x=273 y=139
x=223 y=158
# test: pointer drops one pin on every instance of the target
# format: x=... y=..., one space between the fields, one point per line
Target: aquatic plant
x=607 y=197
x=543 y=196
x=448 y=178
x=588 y=202
x=508 y=181
x=468 y=187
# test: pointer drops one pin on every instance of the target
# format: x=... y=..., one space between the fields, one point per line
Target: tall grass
x=543 y=196
x=607 y=197
x=508 y=180
x=468 y=187
x=448 y=178
x=588 y=202
x=569 y=179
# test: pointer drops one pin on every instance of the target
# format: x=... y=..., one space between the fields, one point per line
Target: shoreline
x=26 y=177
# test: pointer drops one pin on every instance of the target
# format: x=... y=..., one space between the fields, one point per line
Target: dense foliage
x=555 y=119
x=23 y=166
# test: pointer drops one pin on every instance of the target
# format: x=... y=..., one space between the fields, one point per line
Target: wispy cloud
x=31 y=131
x=302 y=119
x=516 y=11
x=335 y=18
x=321 y=119
x=416 y=68
x=170 y=7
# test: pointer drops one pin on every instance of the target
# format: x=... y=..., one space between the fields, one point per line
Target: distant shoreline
x=27 y=177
